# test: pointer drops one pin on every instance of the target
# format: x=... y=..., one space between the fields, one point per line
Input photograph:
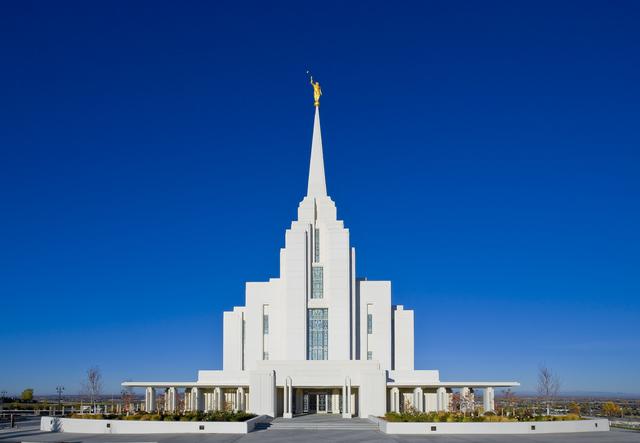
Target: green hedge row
x=461 y=418
x=190 y=416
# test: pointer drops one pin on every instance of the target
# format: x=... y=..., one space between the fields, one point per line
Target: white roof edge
x=183 y=384
x=456 y=384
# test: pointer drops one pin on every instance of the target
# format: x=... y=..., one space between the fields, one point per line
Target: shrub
x=456 y=417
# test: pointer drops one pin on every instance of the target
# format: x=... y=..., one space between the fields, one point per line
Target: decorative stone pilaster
x=418 y=399
x=240 y=399
x=288 y=398
x=488 y=401
x=218 y=399
x=170 y=399
x=394 y=399
x=442 y=403
x=346 y=398
x=196 y=399
x=150 y=399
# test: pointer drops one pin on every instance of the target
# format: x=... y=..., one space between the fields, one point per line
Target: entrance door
x=309 y=403
x=315 y=402
x=322 y=402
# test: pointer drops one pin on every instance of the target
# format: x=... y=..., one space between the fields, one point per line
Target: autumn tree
x=574 y=408
x=610 y=408
x=127 y=398
x=27 y=395
x=454 y=402
x=548 y=386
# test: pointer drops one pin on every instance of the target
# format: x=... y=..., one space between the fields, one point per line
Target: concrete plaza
x=33 y=434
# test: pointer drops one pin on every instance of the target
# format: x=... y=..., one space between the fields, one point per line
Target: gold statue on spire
x=317 y=92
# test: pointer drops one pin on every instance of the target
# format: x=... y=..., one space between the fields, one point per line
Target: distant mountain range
x=594 y=394
x=562 y=394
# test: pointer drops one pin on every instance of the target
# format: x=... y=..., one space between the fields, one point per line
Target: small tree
x=27 y=395
x=454 y=402
x=548 y=386
x=509 y=399
x=127 y=398
x=574 y=408
x=467 y=403
x=610 y=408
x=93 y=385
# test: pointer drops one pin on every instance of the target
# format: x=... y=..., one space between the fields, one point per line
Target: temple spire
x=317 y=186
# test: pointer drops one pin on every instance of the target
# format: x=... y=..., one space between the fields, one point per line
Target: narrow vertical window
x=369 y=323
x=316 y=247
x=265 y=332
x=369 y=355
x=317 y=283
x=317 y=334
x=244 y=338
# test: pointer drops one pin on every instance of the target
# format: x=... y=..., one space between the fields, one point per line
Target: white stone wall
x=377 y=294
x=531 y=427
x=232 y=340
x=403 y=339
x=86 y=426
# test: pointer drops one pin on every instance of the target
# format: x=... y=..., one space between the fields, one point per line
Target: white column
x=288 y=398
x=240 y=399
x=442 y=400
x=219 y=399
x=170 y=399
x=290 y=402
x=196 y=399
x=347 y=411
x=350 y=402
x=488 y=400
x=285 y=399
x=396 y=399
x=150 y=399
x=344 y=399
x=418 y=399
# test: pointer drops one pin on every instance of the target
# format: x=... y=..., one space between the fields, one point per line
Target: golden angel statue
x=317 y=92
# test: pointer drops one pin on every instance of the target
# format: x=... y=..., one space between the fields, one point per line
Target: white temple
x=318 y=339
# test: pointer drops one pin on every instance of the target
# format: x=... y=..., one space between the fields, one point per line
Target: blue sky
x=484 y=156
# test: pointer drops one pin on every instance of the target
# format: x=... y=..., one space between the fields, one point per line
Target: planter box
x=529 y=427
x=91 y=426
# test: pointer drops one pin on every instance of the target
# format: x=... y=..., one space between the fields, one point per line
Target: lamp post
x=59 y=390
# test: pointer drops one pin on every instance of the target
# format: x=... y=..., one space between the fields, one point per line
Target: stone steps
x=345 y=425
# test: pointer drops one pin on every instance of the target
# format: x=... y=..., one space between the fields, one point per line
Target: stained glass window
x=317 y=282
x=318 y=334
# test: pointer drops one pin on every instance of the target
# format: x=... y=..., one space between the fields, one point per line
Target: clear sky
x=483 y=155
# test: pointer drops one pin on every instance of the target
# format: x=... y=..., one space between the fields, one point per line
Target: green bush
x=457 y=417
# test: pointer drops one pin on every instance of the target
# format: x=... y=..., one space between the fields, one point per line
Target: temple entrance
x=316 y=402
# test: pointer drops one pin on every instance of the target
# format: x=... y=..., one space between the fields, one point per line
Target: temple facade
x=318 y=338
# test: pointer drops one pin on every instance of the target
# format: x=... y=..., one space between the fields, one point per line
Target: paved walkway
x=321 y=422
x=274 y=435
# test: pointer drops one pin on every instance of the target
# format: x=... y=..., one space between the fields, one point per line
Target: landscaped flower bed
x=449 y=417
x=190 y=416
